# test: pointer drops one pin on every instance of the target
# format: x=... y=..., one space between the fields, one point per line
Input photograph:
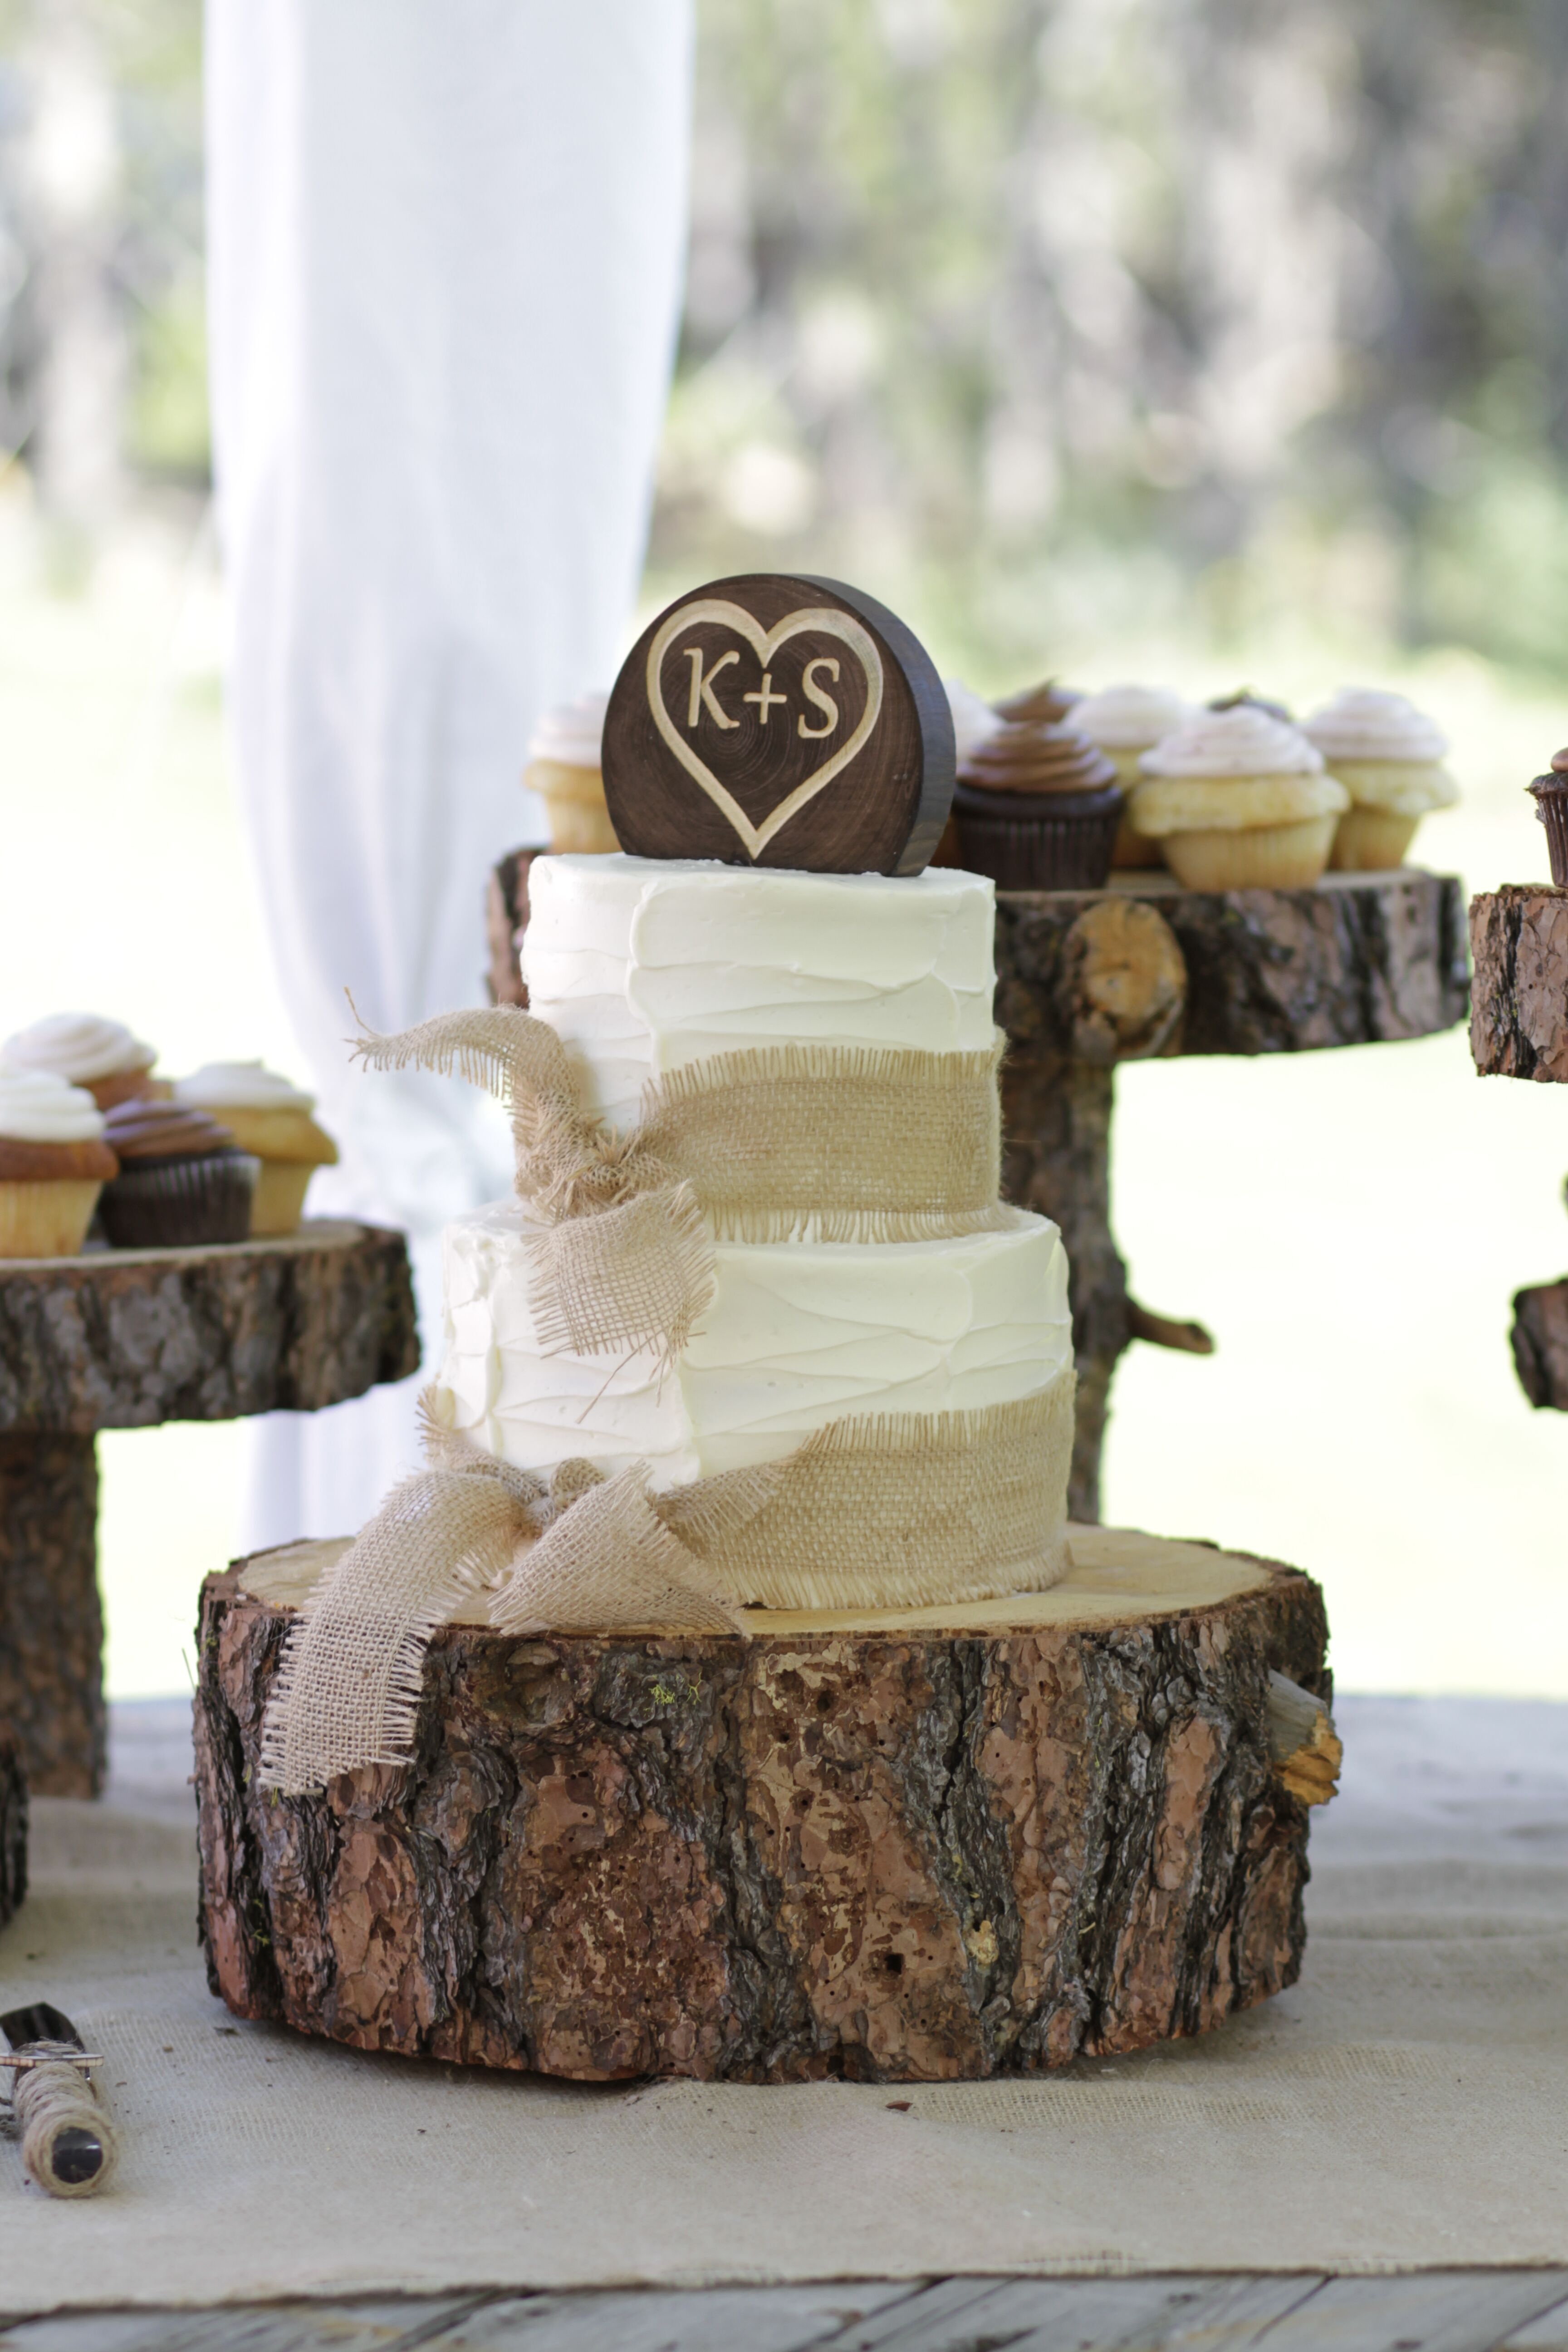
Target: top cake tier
x=643 y=965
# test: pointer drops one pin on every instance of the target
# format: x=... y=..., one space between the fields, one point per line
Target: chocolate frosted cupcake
x=1551 y=792
x=1037 y=808
x=181 y=1180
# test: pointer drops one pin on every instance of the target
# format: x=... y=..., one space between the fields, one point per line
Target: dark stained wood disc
x=778 y=719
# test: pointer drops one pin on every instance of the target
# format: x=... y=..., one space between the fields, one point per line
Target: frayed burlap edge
x=877 y=1512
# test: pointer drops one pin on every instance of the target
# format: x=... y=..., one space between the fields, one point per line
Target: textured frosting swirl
x=1364 y=722
x=972 y=718
x=571 y=733
x=1130 y=718
x=1244 y=698
x=1029 y=757
x=40 y=1107
x=240 y=1085
x=1241 y=741
x=163 y=1131
x=1046 y=703
x=79 y=1047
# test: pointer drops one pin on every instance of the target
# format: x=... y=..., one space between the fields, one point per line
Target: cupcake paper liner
x=175 y=1203
x=1039 y=841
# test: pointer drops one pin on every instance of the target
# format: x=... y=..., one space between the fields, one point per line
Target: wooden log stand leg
x=13 y=1826
x=1055 y=1125
x=51 y=1621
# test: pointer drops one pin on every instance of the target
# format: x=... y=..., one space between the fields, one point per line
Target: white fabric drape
x=445 y=248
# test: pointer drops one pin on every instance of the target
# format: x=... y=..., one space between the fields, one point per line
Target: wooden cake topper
x=776 y=720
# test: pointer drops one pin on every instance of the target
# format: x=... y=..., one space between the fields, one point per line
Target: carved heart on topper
x=765 y=643
x=751 y=760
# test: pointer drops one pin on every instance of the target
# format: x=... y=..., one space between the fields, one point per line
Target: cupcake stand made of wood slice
x=896 y=1847
x=1088 y=979
x=1519 y=1029
x=126 y=1338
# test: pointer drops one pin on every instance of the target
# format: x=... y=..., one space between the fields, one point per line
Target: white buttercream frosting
x=798 y=1334
x=39 y=1107
x=240 y=1085
x=645 y=964
x=1241 y=741
x=974 y=720
x=1364 y=722
x=80 y=1047
x=571 y=734
x=1130 y=718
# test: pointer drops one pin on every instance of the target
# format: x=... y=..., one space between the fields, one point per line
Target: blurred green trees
x=1053 y=320
x=1057 y=316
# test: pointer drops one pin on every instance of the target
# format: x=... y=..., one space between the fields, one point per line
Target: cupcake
x=564 y=769
x=1551 y=792
x=86 y=1051
x=53 y=1163
x=972 y=718
x=1045 y=704
x=271 y=1121
x=1037 y=807
x=1389 y=758
x=1125 y=721
x=181 y=1179
x=1238 y=800
x=1244 y=698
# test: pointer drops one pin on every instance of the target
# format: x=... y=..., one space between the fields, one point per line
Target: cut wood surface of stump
x=896 y=1847
x=12 y=1824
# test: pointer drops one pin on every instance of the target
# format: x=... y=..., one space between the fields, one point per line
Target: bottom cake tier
x=896 y=1846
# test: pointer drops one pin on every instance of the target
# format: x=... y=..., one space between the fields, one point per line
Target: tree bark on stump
x=895 y=1849
x=13 y=1826
x=51 y=1621
x=1541 y=1343
x=1519 y=1006
x=125 y=1338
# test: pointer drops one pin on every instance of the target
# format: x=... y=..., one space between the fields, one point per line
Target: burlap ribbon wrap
x=874 y=1511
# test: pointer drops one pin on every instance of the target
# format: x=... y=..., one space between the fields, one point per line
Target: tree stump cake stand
x=1519 y=1029
x=1088 y=979
x=127 y=1338
x=897 y=1846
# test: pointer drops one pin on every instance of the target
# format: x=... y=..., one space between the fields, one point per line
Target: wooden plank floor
x=1432 y=2311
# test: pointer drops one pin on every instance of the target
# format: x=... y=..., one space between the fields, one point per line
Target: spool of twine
x=68 y=2143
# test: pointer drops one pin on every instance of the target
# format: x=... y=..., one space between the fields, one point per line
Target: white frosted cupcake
x=54 y=1162
x=974 y=720
x=564 y=769
x=1238 y=800
x=1126 y=722
x=86 y=1051
x=271 y=1119
x=1389 y=756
